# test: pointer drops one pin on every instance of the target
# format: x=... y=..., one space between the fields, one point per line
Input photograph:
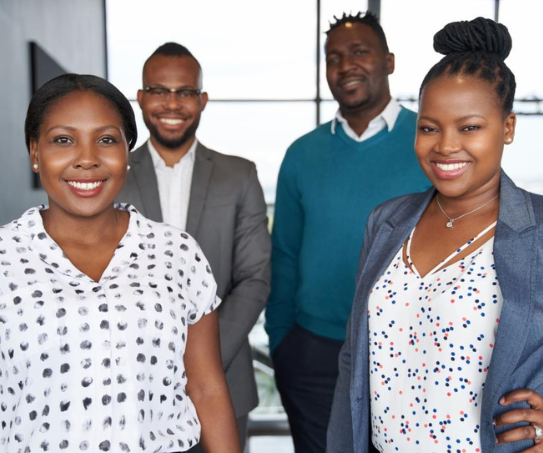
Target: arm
x=206 y=387
x=250 y=271
x=286 y=239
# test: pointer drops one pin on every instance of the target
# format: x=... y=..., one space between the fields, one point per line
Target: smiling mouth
x=171 y=121
x=85 y=185
x=450 y=167
x=351 y=83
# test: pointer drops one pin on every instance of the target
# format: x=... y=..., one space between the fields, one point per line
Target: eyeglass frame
x=198 y=91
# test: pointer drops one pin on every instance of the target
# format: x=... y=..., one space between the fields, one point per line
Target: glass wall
x=260 y=63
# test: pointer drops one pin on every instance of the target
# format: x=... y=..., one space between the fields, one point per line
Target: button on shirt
x=98 y=366
x=174 y=186
x=387 y=118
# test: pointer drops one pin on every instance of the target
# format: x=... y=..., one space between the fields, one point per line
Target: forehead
x=351 y=33
x=82 y=107
x=458 y=94
x=172 y=72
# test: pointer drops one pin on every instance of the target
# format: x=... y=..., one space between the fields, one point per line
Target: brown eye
x=61 y=140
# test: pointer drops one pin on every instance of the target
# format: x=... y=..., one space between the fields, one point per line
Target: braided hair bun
x=477 y=35
x=476 y=48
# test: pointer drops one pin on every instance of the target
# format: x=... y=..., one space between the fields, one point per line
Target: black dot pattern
x=98 y=366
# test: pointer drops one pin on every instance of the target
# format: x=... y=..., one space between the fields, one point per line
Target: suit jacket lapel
x=201 y=176
x=143 y=171
x=515 y=258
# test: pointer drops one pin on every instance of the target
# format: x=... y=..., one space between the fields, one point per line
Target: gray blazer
x=517 y=359
x=227 y=216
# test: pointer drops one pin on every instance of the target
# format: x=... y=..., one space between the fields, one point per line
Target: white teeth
x=85 y=185
x=171 y=121
x=450 y=167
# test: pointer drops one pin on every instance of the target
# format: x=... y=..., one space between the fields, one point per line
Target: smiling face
x=81 y=154
x=357 y=68
x=461 y=131
x=172 y=121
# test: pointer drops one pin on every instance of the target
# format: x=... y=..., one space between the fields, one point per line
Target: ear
x=140 y=97
x=205 y=98
x=34 y=155
x=390 y=63
x=509 y=128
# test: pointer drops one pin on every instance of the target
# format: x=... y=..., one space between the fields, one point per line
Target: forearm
x=216 y=415
x=207 y=388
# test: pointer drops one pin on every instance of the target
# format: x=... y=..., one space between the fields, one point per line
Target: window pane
x=259 y=131
x=413 y=45
x=523 y=159
x=523 y=19
x=247 y=49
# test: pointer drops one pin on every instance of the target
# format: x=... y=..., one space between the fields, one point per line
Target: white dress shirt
x=174 y=186
x=387 y=118
x=98 y=366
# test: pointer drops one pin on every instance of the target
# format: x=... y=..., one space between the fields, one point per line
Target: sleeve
x=286 y=244
x=250 y=270
x=200 y=286
x=340 y=428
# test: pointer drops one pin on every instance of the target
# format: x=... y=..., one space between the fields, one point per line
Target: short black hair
x=368 y=19
x=172 y=49
x=476 y=48
x=54 y=90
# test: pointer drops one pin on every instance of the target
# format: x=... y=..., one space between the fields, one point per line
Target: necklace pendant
x=450 y=224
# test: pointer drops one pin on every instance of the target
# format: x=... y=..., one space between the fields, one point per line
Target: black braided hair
x=476 y=48
x=368 y=19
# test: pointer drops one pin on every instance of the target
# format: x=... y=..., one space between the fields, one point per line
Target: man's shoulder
x=224 y=160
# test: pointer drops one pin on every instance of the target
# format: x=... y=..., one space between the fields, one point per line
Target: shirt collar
x=159 y=163
x=389 y=115
x=131 y=245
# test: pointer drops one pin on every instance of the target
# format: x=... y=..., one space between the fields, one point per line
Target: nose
x=172 y=101
x=87 y=157
x=346 y=64
x=448 y=143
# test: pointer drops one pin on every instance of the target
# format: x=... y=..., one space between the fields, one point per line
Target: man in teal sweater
x=329 y=182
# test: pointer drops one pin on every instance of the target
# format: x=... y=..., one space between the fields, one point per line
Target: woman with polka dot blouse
x=108 y=334
x=444 y=350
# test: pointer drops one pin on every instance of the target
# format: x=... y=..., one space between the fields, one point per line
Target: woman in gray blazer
x=444 y=350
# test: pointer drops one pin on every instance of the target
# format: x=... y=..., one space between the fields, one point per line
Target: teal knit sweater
x=328 y=184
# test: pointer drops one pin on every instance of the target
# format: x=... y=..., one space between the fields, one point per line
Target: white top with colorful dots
x=430 y=346
x=94 y=367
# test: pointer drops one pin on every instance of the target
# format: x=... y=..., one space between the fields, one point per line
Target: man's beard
x=175 y=142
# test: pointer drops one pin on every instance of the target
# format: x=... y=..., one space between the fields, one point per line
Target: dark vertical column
x=318 y=55
x=375 y=7
x=106 y=71
x=497 y=10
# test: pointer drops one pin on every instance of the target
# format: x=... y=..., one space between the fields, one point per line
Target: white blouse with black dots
x=87 y=366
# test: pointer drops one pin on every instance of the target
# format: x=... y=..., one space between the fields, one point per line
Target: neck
x=172 y=156
x=360 y=118
x=66 y=228
x=481 y=202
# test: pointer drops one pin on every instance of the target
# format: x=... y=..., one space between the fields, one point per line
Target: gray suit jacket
x=517 y=359
x=227 y=216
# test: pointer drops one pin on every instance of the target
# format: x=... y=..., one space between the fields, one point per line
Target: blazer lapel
x=201 y=176
x=143 y=171
x=515 y=258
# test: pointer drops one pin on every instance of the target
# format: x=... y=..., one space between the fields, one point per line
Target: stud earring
x=128 y=168
x=508 y=140
x=35 y=166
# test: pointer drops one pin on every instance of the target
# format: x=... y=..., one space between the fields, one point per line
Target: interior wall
x=72 y=32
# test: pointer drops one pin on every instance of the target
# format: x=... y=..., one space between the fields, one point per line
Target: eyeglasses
x=185 y=95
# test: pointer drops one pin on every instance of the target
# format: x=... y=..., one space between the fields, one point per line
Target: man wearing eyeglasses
x=214 y=197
